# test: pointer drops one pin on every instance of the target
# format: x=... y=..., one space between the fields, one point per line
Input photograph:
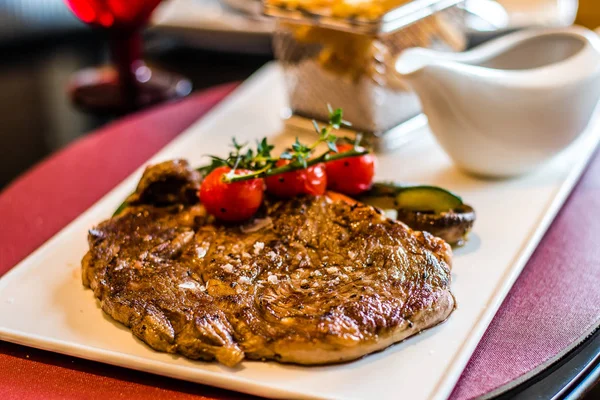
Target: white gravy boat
x=504 y=108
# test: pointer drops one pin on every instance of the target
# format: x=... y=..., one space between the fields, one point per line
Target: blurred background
x=208 y=41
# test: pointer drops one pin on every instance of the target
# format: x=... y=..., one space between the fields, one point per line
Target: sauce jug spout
x=416 y=64
x=426 y=72
x=412 y=61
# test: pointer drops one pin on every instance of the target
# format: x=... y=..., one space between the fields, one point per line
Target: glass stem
x=125 y=48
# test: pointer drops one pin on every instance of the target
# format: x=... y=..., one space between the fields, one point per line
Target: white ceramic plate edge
x=209 y=378
x=470 y=344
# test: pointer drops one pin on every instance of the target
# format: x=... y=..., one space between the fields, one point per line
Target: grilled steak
x=309 y=281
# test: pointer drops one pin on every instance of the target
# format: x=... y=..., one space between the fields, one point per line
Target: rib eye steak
x=309 y=281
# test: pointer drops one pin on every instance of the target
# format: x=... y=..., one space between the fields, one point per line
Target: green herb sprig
x=262 y=164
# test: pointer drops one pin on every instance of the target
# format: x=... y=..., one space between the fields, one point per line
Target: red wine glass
x=128 y=84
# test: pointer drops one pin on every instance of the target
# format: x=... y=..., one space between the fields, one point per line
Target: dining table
x=57 y=161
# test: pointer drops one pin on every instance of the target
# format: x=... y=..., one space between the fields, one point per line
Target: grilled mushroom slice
x=453 y=226
x=425 y=208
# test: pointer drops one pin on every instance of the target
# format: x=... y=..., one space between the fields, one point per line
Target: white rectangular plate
x=44 y=305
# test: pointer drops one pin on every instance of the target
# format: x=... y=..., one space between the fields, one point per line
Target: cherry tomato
x=352 y=175
x=232 y=202
x=312 y=180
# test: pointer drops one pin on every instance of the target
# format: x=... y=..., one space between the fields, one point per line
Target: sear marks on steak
x=317 y=282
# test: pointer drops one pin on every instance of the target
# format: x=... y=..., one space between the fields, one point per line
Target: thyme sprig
x=262 y=163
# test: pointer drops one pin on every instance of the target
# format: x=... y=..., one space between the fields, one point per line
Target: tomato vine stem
x=294 y=166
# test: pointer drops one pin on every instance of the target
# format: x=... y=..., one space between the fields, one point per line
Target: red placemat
x=551 y=305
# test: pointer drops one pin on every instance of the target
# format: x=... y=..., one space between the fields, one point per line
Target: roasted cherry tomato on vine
x=232 y=202
x=312 y=180
x=352 y=175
